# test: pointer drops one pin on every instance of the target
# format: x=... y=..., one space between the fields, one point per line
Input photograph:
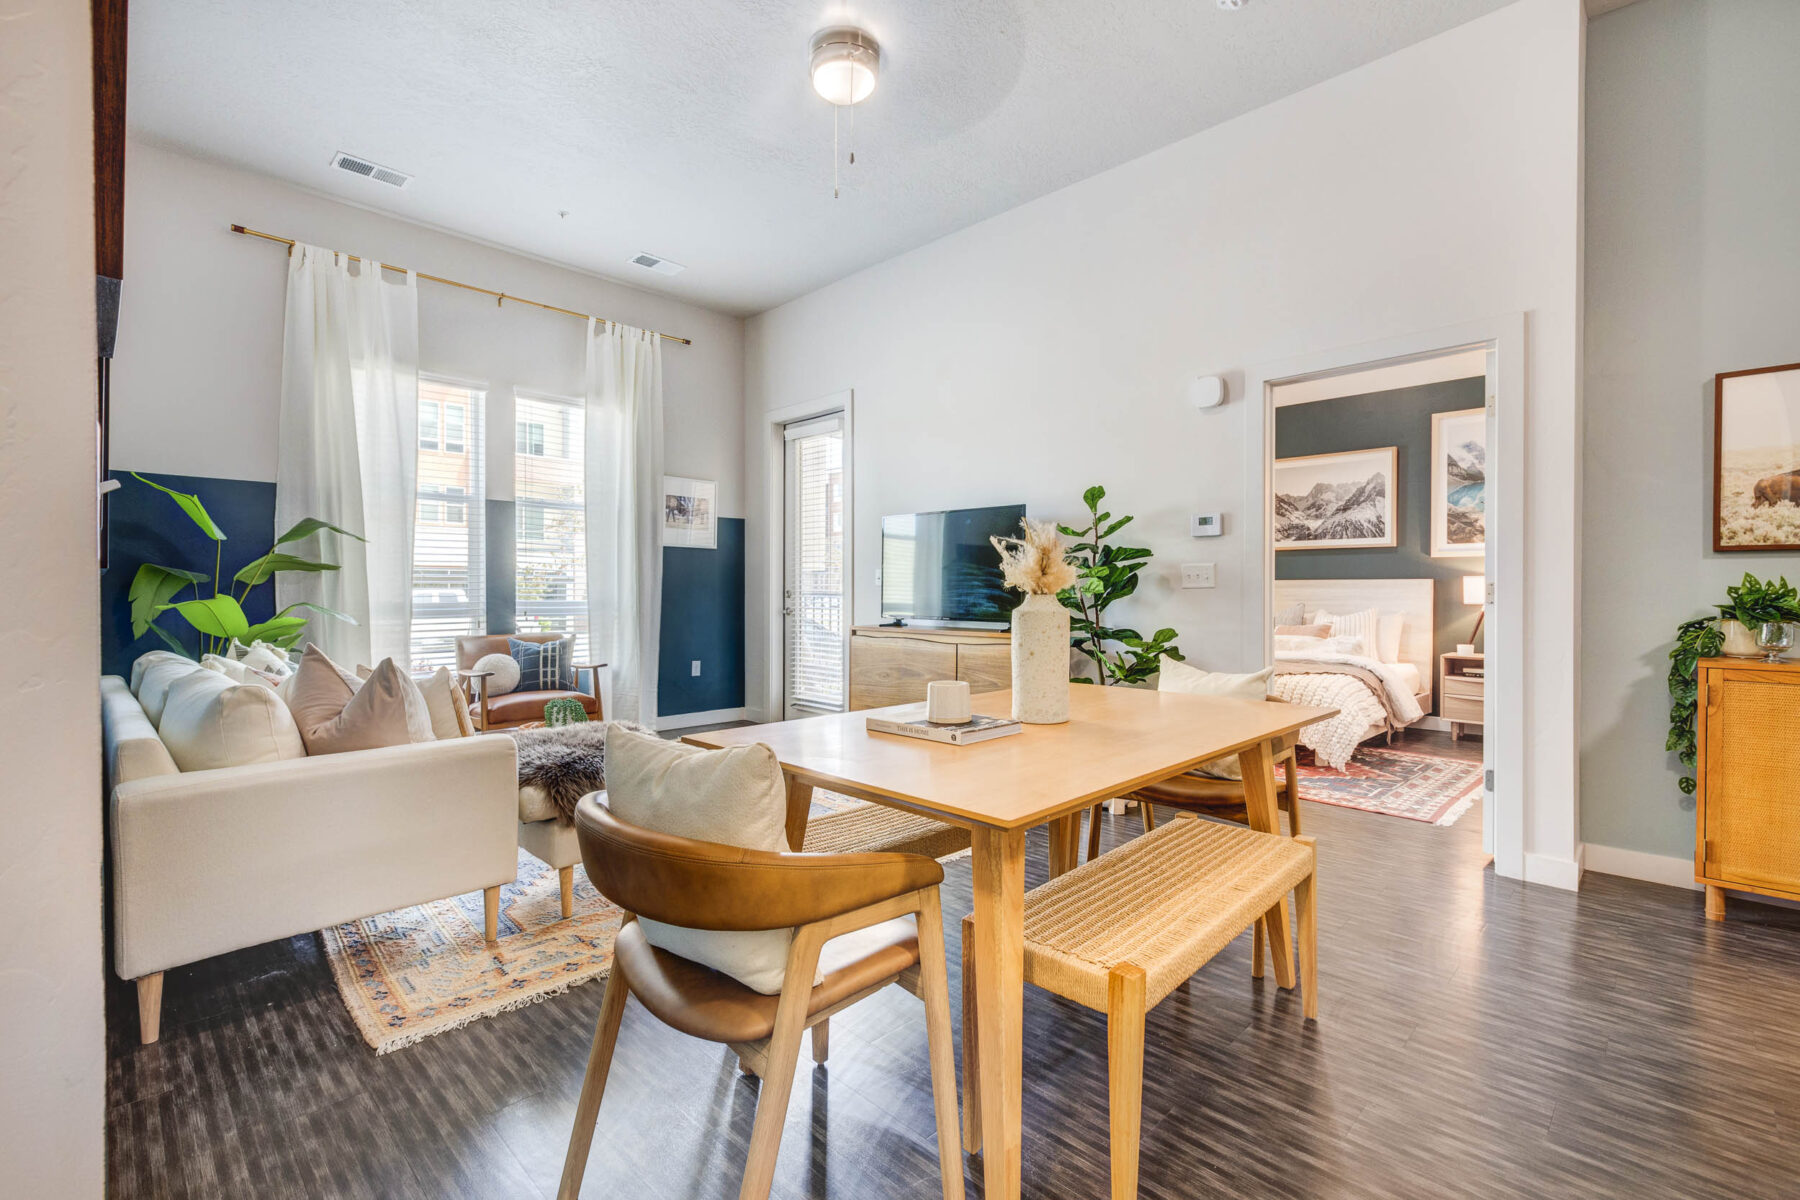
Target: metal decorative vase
x=1040 y=661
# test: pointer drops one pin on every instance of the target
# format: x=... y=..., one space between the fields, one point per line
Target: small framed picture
x=1336 y=501
x=690 y=512
x=1756 y=459
x=1459 y=483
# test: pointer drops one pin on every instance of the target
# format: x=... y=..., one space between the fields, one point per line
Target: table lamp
x=1474 y=592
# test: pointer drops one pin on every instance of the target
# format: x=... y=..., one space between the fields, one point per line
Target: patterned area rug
x=1396 y=783
x=409 y=974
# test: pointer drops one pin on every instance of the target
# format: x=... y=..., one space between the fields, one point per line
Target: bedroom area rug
x=1397 y=783
x=407 y=975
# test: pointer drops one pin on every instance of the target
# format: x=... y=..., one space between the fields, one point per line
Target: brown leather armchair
x=843 y=910
x=517 y=707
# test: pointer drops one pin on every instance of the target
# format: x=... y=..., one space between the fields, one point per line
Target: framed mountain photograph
x=1341 y=501
x=1459 y=483
x=1756 y=459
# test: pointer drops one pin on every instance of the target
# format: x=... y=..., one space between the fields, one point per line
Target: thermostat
x=1207 y=524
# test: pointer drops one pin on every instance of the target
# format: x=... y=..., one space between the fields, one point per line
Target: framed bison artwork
x=1756 y=459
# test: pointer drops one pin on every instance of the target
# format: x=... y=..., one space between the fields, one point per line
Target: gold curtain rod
x=499 y=297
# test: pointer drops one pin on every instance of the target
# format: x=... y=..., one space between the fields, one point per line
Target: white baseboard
x=1564 y=873
x=716 y=716
x=1637 y=864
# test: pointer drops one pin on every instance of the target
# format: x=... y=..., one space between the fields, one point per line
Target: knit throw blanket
x=566 y=761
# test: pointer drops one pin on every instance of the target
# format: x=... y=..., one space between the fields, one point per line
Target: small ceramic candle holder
x=947 y=702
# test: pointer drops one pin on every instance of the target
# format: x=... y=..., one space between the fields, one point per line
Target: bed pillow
x=1289 y=644
x=1306 y=631
x=1387 y=636
x=1293 y=614
x=1365 y=625
x=736 y=797
x=1179 y=677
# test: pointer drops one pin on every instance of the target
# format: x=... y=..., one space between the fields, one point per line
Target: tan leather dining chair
x=844 y=911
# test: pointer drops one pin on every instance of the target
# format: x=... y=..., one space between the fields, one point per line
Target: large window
x=552 y=527
x=449 y=550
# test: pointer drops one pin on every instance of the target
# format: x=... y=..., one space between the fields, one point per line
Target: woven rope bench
x=1120 y=932
x=878 y=829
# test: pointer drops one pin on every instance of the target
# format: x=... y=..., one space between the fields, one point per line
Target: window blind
x=449 y=596
x=550 y=503
x=815 y=566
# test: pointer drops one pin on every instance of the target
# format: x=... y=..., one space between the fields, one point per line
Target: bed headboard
x=1414 y=597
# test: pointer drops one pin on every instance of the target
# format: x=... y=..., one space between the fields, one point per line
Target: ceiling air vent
x=369 y=170
x=661 y=266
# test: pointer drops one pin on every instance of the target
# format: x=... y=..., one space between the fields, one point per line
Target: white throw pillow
x=506 y=672
x=149 y=659
x=1293 y=614
x=158 y=678
x=448 y=706
x=1365 y=625
x=1348 y=645
x=1179 y=677
x=209 y=722
x=1387 y=638
x=736 y=797
x=269 y=659
x=1290 y=644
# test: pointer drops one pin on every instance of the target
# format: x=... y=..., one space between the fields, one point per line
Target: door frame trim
x=773 y=702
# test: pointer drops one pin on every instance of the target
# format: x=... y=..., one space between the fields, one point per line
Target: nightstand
x=1464 y=697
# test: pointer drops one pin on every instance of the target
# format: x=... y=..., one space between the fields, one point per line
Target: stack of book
x=912 y=723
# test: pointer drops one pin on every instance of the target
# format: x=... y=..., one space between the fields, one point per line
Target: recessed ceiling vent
x=661 y=266
x=369 y=170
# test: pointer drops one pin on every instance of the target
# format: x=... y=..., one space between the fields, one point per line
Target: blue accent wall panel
x=147 y=527
x=703 y=618
x=1400 y=418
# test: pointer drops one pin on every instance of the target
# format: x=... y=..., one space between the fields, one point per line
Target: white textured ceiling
x=687 y=128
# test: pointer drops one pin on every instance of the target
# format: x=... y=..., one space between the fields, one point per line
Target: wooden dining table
x=1116 y=740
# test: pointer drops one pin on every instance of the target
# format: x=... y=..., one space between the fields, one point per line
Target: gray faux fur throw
x=567 y=761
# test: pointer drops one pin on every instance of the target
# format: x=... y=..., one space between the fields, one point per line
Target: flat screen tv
x=940 y=566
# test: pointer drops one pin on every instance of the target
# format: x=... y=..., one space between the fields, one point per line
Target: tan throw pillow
x=1315 y=631
x=448 y=706
x=1179 y=677
x=736 y=797
x=209 y=722
x=333 y=717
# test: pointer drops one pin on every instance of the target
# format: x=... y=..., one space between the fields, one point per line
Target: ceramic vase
x=1040 y=661
x=1740 y=641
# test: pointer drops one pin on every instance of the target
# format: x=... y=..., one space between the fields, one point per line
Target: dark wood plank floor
x=1477 y=1037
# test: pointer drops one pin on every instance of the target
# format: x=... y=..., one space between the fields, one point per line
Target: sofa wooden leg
x=566 y=877
x=490 y=903
x=149 y=990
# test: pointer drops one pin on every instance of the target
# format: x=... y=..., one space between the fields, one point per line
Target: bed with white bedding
x=1375 y=669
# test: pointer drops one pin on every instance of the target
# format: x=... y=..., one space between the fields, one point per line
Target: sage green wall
x=1693 y=267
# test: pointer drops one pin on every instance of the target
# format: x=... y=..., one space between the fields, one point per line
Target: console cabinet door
x=1751 y=777
x=985 y=668
x=895 y=670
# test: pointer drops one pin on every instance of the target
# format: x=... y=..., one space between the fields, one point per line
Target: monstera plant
x=1107 y=573
x=218 y=619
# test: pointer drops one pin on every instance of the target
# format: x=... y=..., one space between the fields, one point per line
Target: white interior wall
x=1047 y=348
x=198 y=387
x=52 y=1036
x=1693 y=242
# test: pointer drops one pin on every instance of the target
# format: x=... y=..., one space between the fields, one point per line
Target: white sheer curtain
x=624 y=464
x=349 y=449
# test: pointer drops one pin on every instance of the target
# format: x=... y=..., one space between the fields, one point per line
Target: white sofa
x=210 y=861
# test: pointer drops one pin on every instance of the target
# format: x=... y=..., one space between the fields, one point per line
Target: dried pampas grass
x=1034 y=564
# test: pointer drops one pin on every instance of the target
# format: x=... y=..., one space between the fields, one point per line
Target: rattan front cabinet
x=1748 y=810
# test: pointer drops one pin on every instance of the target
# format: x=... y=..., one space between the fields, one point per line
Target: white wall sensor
x=1207 y=524
x=1206 y=391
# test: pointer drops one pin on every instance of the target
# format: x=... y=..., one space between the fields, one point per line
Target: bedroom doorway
x=1382 y=482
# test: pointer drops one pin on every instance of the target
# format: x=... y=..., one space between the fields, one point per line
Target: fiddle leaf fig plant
x=1752 y=602
x=1105 y=574
x=219 y=619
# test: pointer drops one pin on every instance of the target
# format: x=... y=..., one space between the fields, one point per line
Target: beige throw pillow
x=209 y=722
x=448 y=706
x=736 y=797
x=1179 y=677
x=158 y=678
x=387 y=710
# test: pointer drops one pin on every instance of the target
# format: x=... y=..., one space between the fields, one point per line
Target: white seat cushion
x=736 y=797
x=209 y=722
x=1179 y=677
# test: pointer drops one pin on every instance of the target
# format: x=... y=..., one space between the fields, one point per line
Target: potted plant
x=1749 y=605
x=218 y=620
x=1107 y=573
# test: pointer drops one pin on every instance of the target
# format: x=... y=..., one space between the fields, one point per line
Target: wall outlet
x=695 y=669
x=1199 y=575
